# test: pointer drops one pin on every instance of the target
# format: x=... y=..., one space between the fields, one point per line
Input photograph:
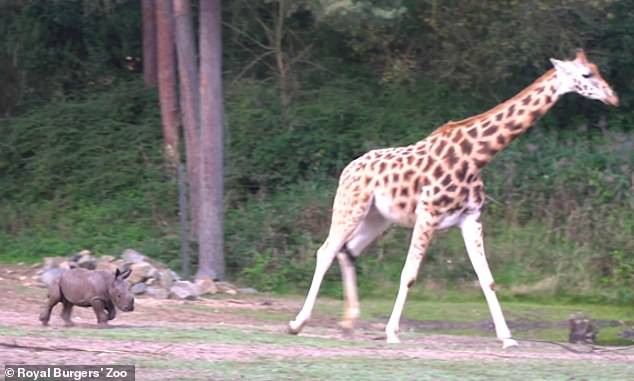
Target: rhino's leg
x=112 y=311
x=54 y=297
x=68 y=309
x=100 y=310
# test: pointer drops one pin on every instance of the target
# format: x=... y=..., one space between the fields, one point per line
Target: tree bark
x=167 y=81
x=189 y=100
x=149 y=43
x=210 y=234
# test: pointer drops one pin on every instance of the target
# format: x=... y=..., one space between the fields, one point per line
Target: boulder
x=165 y=279
x=156 y=292
x=53 y=262
x=86 y=261
x=184 y=290
x=133 y=256
x=138 y=288
x=206 y=285
x=106 y=258
x=628 y=334
x=50 y=275
x=80 y=254
x=105 y=265
x=582 y=329
x=121 y=264
x=227 y=288
x=140 y=272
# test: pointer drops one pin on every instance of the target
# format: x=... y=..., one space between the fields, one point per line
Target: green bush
x=88 y=173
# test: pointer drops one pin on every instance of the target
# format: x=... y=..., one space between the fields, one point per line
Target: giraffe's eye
x=587 y=75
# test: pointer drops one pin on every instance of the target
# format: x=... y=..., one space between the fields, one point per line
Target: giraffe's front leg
x=422 y=235
x=325 y=256
x=472 y=233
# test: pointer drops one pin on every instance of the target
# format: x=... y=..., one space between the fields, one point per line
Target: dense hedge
x=80 y=154
x=88 y=174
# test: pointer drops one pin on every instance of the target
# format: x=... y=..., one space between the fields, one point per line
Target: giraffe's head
x=583 y=77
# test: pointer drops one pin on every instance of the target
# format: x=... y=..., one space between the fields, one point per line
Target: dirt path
x=24 y=341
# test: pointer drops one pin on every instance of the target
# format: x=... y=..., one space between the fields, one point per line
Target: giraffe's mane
x=472 y=119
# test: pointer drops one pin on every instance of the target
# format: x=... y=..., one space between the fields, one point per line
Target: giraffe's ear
x=561 y=66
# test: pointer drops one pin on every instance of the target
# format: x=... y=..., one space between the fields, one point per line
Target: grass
x=525 y=315
x=222 y=334
x=362 y=368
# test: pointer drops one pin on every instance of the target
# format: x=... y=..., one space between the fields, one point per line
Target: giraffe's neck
x=482 y=136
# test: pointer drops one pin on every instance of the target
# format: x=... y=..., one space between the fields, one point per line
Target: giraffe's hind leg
x=345 y=220
x=372 y=225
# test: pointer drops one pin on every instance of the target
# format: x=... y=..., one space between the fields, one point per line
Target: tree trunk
x=189 y=100
x=210 y=231
x=149 y=43
x=167 y=81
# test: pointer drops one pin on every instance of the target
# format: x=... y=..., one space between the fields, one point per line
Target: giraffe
x=433 y=185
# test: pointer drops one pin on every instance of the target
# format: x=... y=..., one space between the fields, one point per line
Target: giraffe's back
x=400 y=179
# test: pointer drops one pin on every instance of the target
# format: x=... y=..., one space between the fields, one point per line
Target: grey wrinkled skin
x=101 y=290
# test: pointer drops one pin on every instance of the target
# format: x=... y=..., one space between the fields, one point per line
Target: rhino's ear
x=126 y=274
x=117 y=273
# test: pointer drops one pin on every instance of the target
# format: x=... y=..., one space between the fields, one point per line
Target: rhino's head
x=120 y=291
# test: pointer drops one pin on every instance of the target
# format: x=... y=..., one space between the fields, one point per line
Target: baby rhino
x=101 y=290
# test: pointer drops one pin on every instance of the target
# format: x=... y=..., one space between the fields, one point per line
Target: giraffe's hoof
x=347 y=329
x=392 y=338
x=509 y=343
x=347 y=326
x=293 y=328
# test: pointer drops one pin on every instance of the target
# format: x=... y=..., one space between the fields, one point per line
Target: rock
x=227 y=288
x=140 y=272
x=628 y=334
x=133 y=256
x=156 y=292
x=50 y=275
x=582 y=330
x=206 y=285
x=86 y=261
x=53 y=262
x=80 y=254
x=121 y=264
x=247 y=290
x=166 y=279
x=184 y=290
x=138 y=288
x=104 y=265
x=174 y=275
x=106 y=258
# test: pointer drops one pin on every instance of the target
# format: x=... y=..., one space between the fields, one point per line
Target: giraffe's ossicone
x=435 y=184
